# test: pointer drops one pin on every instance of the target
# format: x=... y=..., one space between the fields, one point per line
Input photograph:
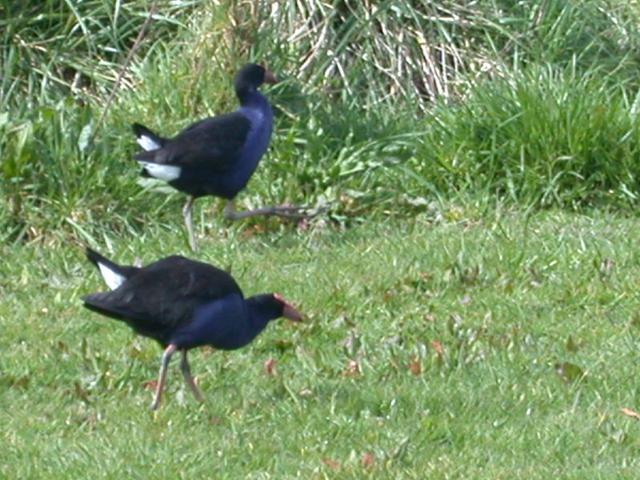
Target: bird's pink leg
x=166 y=358
x=186 y=372
x=186 y=212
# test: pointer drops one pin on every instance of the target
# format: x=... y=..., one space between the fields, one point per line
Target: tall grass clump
x=542 y=137
x=59 y=61
x=60 y=48
x=419 y=51
x=381 y=102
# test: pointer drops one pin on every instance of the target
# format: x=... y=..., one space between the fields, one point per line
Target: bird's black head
x=251 y=76
x=272 y=306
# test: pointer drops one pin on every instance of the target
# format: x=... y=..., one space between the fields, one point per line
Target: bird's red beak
x=269 y=77
x=288 y=310
x=291 y=313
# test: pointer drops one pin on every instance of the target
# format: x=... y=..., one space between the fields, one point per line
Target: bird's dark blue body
x=183 y=304
x=209 y=179
x=216 y=155
x=226 y=324
x=260 y=115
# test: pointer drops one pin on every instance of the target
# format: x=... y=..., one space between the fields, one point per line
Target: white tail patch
x=162 y=172
x=147 y=143
x=111 y=278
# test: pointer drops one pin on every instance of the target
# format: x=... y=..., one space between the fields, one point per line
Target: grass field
x=471 y=291
x=486 y=347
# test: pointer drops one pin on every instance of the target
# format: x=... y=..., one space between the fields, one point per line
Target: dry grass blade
x=125 y=65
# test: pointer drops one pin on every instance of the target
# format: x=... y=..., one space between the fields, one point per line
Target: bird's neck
x=257 y=321
x=258 y=316
x=252 y=98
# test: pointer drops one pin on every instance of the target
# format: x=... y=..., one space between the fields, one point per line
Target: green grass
x=509 y=298
x=471 y=291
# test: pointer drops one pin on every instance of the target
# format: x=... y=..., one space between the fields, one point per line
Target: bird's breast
x=221 y=323
x=257 y=140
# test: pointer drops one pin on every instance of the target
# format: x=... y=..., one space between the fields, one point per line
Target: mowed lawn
x=451 y=346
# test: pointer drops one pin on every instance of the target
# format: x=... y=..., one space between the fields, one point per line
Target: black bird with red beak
x=216 y=156
x=184 y=304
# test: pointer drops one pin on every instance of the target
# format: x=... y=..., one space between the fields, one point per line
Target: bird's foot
x=283 y=211
x=297 y=213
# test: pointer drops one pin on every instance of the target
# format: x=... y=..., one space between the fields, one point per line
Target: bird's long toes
x=294 y=215
x=299 y=212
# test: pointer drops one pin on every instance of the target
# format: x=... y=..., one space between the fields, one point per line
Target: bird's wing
x=165 y=294
x=213 y=143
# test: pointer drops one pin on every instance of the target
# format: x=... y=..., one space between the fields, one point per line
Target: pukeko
x=216 y=156
x=183 y=304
